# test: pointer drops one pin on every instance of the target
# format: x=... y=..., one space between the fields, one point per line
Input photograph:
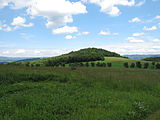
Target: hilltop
x=82 y=55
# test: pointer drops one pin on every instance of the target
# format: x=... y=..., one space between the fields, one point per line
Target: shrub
x=37 y=65
x=138 y=65
x=132 y=65
x=63 y=65
x=98 y=64
x=153 y=63
x=146 y=65
x=87 y=64
x=32 y=65
x=104 y=65
x=109 y=64
x=81 y=64
x=126 y=65
x=139 y=112
x=157 y=66
x=92 y=64
x=27 y=64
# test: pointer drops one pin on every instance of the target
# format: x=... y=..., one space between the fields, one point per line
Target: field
x=93 y=93
x=117 y=62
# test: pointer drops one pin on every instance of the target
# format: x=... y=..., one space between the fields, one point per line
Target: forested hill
x=154 y=59
x=83 y=55
x=93 y=51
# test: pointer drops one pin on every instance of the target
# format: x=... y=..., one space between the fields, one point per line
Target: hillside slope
x=83 y=55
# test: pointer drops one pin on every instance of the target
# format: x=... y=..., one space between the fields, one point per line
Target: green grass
x=47 y=93
x=117 y=62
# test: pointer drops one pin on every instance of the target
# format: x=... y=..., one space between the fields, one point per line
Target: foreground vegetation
x=85 y=93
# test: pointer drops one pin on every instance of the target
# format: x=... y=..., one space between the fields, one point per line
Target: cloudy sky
x=32 y=28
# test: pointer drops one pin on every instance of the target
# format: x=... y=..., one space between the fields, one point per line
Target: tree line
x=152 y=65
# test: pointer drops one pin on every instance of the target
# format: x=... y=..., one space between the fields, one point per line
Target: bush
x=98 y=64
x=132 y=65
x=126 y=65
x=27 y=64
x=37 y=65
x=146 y=65
x=104 y=65
x=63 y=65
x=139 y=112
x=109 y=64
x=87 y=64
x=92 y=64
x=81 y=64
x=157 y=66
x=153 y=63
x=138 y=65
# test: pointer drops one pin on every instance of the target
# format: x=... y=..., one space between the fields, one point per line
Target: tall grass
x=47 y=93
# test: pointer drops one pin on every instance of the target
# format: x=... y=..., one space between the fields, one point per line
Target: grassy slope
x=82 y=94
x=117 y=62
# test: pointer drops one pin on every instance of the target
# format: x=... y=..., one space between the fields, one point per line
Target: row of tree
x=86 y=64
x=92 y=64
x=141 y=65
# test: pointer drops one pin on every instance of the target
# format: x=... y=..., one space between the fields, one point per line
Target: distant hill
x=154 y=59
x=83 y=55
x=16 y=59
x=27 y=60
x=139 y=57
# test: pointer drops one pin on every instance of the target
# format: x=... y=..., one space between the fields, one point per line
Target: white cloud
x=69 y=37
x=6 y=28
x=133 y=48
x=19 y=21
x=65 y=30
x=137 y=34
x=134 y=40
x=19 y=51
x=83 y=33
x=141 y=3
x=104 y=33
x=157 y=17
x=150 y=29
x=156 y=40
x=16 y=4
x=111 y=6
x=56 y=12
x=115 y=34
x=16 y=23
x=32 y=52
x=135 y=20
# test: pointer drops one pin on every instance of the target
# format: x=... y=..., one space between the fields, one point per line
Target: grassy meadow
x=86 y=93
x=117 y=62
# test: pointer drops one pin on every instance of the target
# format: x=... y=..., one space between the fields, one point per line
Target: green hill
x=154 y=59
x=83 y=55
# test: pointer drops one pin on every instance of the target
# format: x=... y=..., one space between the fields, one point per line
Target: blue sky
x=33 y=28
